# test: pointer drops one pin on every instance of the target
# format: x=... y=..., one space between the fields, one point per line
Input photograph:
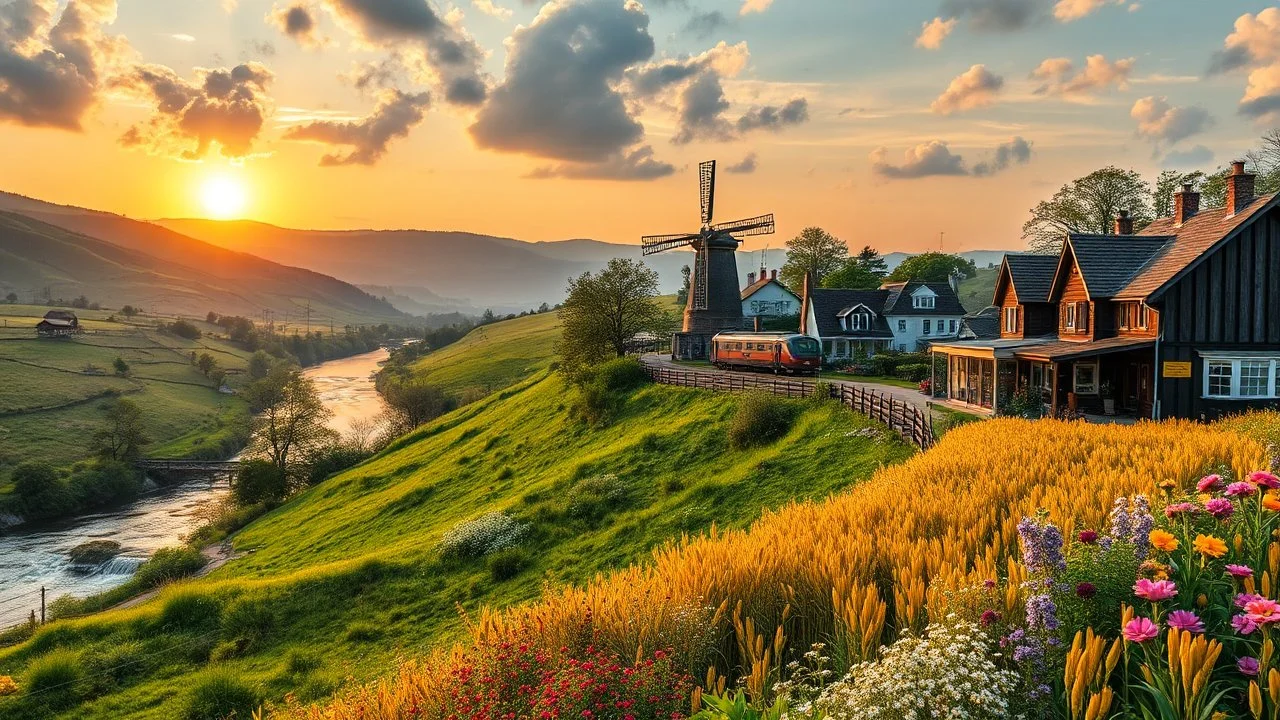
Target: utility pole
x=941 y=237
x=41 y=604
x=308 y=317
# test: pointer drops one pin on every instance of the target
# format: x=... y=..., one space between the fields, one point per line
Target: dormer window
x=1011 y=319
x=860 y=321
x=924 y=302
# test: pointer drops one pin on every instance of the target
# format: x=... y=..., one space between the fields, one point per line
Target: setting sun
x=223 y=197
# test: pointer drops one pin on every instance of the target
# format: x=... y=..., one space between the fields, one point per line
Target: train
x=780 y=352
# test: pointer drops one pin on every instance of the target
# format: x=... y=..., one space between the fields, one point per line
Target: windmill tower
x=715 y=298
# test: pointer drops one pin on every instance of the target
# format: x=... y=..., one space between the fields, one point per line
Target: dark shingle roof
x=982 y=325
x=829 y=303
x=1109 y=262
x=1187 y=244
x=899 y=301
x=756 y=286
x=1032 y=275
x=1069 y=349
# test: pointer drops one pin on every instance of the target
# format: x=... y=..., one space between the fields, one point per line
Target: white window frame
x=1071 y=316
x=1234 y=362
x=924 y=302
x=1011 y=319
x=902 y=325
x=860 y=321
x=1081 y=389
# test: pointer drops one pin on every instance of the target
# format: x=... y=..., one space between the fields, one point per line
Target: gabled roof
x=1031 y=275
x=982 y=325
x=1187 y=244
x=1108 y=262
x=56 y=322
x=829 y=303
x=899 y=301
x=60 y=315
x=759 y=285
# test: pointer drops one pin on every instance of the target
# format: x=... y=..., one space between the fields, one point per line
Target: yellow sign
x=1177 y=369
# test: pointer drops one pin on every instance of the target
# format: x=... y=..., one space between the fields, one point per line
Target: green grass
x=976 y=292
x=345 y=579
x=948 y=418
x=878 y=379
x=494 y=356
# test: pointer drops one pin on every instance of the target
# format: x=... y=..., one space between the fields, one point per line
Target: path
x=217 y=556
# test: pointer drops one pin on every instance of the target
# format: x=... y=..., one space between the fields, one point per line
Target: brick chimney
x=1186 y=203
x=773 y=274
x=1124 y=223
x=751 y=279
x=1239 y=188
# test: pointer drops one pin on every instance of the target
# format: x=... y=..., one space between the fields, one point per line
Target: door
x=1144 y=390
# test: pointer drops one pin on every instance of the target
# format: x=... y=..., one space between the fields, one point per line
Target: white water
x=37 y=556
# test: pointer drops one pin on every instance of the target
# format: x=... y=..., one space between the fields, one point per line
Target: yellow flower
x=7 y=686
x=1168 y=486
x=1210 y=546
x=1163 y=540
x=1271 y=502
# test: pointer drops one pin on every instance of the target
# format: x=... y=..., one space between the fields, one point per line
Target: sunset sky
x=886 y=122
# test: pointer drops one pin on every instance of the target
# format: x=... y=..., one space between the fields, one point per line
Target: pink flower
x=1245 y=598
x=1243 y=624
x=989 y=617
x=1140 y=630
x=1209 y=482
x=1241 y=489
x=1263 y=611
x=1154 y=590
x=1220 y=508
x=1185 y=620
x=1240 y=571
x=1176 y=509
x=1264 y=479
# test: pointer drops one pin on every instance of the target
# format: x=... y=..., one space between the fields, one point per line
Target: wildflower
x=1141 y=523
x=1247 y=666
x=1210 y=546
x=1271 y=502
x=1241 y=489
x=1086 y=590
x=1140 y=630
x=1120 y=525
x=1178 y=509
x=1154 y=590
x=1263 y=611
x=1220 y=508
x=1042 y=612
x=7 y=686
x=1088 y=537
x=1168 y=486
x=1242 y=624
x=1163 y=540
x=1209 y=482
x=1041 y=546
x=1157 y=570
x=1185 y=620
x=989 y=617
x=989 y=584
x=1264 y=479
x=1245 y=598
x=1240 y=571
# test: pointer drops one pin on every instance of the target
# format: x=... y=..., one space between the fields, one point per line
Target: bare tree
x=1088 y=205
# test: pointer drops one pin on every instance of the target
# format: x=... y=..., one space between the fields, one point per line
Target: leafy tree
x=414 y=402
x=932 y=267
x=1088 y=205
x=124 y=435
x=814 y=251
x=871 y=259
x=211 y=318
x=259 y=365
x=488 y=317
x=128 y=311
x=682 y=296
x=1168 y=184
x=604 y=311
x=40 y=490
x=11 y=298
x=122 y=367
x=185 y=329
x=205 y=364
x=259 y=481
x=290 y=421
x=853 y=275
x=218 y=376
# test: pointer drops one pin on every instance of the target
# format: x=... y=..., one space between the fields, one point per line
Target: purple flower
x=1086 y=590
x=989 y=617
x=1241 y=489
x=1041 y=546
x=1120 y=528
x=1264 y=479
x=1185 y=620
x=1240 y=571
x=1220 y=508
x=1088 y=537
x=1023 y=653
x=1140 y=524
x=1242 y=624
x=1247 y=666
x=1176 y=509
x=989 y=584
x=1209 y=482
x=1245 y=598
x=1042 y=612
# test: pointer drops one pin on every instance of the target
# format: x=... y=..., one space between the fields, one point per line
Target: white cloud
x=754 y=6
x=975 y=88
x=183 y=37
x=1164 y=123
x=1068 y=10
x=934 y=32
x=1058 y=76
x=488 y=8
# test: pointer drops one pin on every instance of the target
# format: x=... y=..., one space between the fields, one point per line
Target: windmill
x=715 y=300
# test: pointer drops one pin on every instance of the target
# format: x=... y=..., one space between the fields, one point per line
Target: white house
x=767 y=297
x=898 y=316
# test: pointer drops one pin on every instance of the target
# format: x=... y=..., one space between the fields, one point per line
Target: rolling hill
x=114 y=260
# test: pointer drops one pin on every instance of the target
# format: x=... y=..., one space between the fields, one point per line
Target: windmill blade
x=707 y=190
x=750 y=227
x=699 y=288
x=653 y=244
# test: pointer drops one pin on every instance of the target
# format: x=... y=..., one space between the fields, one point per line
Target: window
x=926 y=302
x=1070 y=310
x=1241 y=378
x=1133 y=316
x=953 y=327
x=902 y=326
x=927 y=324
x=1011 y=319
x=1086 y=378
x=860 y=321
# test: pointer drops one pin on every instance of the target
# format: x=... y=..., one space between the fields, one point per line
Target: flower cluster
x=480 y=536
x=7 y=686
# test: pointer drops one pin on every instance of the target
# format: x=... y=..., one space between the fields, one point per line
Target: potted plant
x=1108 y=398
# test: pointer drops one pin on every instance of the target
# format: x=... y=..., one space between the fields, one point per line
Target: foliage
x=185 y=329
x=53 y=677
x=933 y=267
x=760 y=419
x=335 y=458
x=42 y=492
x=1168 y=184
x=259 y=481
x=260 y=364
x=864 y=271
x=1025 y=402
x=737 y=705
x=121 y=367
x=168 y=564
x=603 y=312
x=603 y=389
x=483 y=535
x=915 y=372
x=1089 y=204
x=218 y=696
x=814 y=251
x=507 y=563
x=682 y=295
x=414 y=402
x=290 y=424
x=124 y=436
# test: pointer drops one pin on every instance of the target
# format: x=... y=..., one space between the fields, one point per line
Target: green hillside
x=976 y=292
x=494 y=356
x=344 y=579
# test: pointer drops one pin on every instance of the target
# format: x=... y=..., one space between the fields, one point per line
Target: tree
x=206 y=364
x=39 y=489
x=11 y=298
x=682 y=295
x=853 y=275
x=871 y=259
x=1168 y=184
x=290 y=420
x=605 y=311
x=1088 y=205
x=932 y=267
x=122 y=367
x=415 y=402
x=259 y=365
x=488 y=317
x=211 y=318
x=128 y=311
x=814 y=251
x=185 y=329
x=124 y=435
x=259 y=481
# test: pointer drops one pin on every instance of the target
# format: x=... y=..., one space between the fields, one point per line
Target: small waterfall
x=119 y=565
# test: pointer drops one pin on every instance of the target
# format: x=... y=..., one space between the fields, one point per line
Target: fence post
x=41 y=604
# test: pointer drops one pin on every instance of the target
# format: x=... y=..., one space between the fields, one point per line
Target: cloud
x=934 y=158
x=1254 y=45
x=393 y=117
x=702 y=106
x=651 y=79
x=1198 y=156
x=975 y=88
x=50 y=73
x=298 y=21
x=703 y=25
x=1163 y=123
x=773 y=117
x=745 y=166
x=934 y=32
x=488 y=8
x=754 y=6
x=183 y=37
x=1068 y=10
x=995 y=15
x=226 y=106
x=634 y=165
x=1058 y=76
x=371 y=75
x=440 y=51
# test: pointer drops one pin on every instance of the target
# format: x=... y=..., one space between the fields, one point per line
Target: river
x=36 y=556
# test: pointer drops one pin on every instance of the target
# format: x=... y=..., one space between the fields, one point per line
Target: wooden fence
x=909 y=421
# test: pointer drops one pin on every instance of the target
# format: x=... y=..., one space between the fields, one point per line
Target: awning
x=1066 y=350
x=993 y=348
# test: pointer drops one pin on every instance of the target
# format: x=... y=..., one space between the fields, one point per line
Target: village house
x=1181 y=319
x=901 y=316
x=766 y=297
x=58 y=323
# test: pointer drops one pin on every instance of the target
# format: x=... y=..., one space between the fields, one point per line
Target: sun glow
x=223 y=197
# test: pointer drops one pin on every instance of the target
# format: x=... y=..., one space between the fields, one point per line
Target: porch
x=1111 y=378
x=980 y=375
x=840 y=350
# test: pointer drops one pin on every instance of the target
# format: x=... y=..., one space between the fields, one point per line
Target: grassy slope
x=492 y=357
x=347 y=572
x=976 y=292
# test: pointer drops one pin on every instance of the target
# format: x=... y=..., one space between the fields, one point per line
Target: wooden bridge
x=188 y=467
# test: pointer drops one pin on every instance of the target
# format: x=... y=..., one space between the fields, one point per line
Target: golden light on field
x=223 y=197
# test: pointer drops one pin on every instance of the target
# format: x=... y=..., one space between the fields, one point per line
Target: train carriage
x=775 y=351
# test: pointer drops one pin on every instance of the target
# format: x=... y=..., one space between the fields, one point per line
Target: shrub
x=259 y=481
x=302 y=663
x=332 y=460
x=219 y=696
x=914 y=372
x=592 y=498
x=620 y=374
x=506 y=564
x=362 y=632
x=602 y=389
x=249 y=619
x=53 y=676
x=185 y=329
x=40 y=491
x=187 y=610
x=480 y=536
x=167 y=565
x=760 y=419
